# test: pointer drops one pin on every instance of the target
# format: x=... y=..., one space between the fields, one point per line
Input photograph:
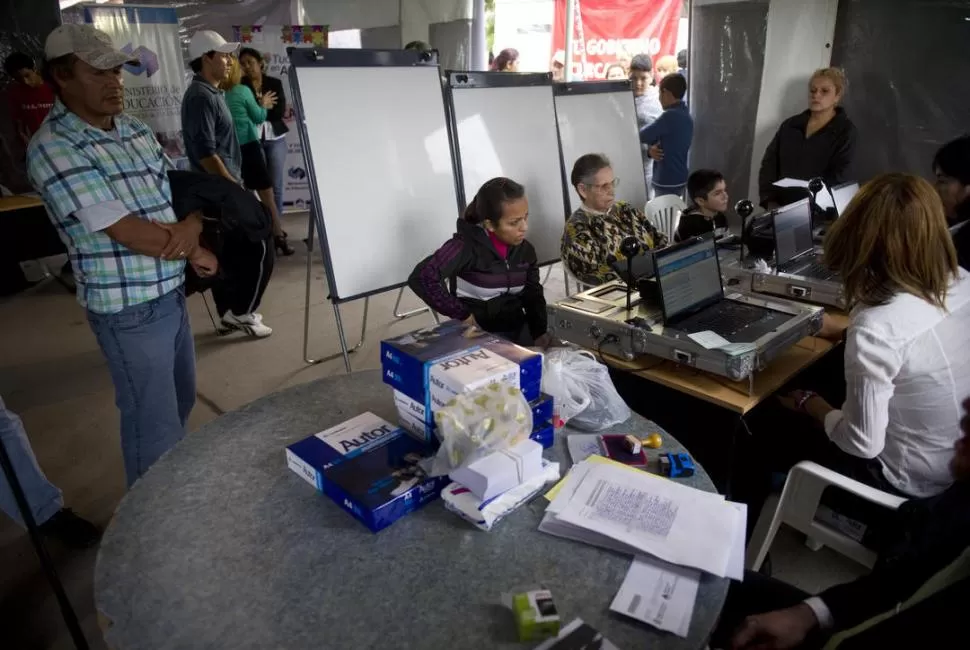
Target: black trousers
x=245 y=268
x=757 y=594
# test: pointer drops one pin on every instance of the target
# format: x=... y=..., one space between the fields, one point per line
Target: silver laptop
x=692 y=297
x=794 y=244
x=842 y=194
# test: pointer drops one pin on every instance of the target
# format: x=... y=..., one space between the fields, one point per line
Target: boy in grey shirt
x=646 y=100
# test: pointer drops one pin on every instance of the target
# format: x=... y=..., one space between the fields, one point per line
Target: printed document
x=659 y=594
x=674 y=522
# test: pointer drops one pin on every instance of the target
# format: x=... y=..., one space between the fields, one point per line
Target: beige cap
x=209 y=41
x=91 y=45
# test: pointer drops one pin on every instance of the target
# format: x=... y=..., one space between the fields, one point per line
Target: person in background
x=646 y=100
x=29 y=97
x=666 y=65
x=417 y=46
x=44 y=499
x=616 y=71
x=951 y=165
x=103 y=178
x=506 y=61
x=708 y=195
x=272 y=132
x=558 y=66
x=249 y=117
x=907 y=362
x=669 y=138
x=207 y=127
x=487 y=275
x=818 y=142
x=682 y=63
x=591 y=240
x=915 y=596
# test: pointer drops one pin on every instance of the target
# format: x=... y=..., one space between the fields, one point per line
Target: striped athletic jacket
x=467 y=276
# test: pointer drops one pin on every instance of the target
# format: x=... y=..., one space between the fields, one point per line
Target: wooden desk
x=19 y=202
x=721 y=391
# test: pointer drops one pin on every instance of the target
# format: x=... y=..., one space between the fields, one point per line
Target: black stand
x=70 y=618
x=630 y=247
x=745 y=209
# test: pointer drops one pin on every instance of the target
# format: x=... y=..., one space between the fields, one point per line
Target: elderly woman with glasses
x=591 y=242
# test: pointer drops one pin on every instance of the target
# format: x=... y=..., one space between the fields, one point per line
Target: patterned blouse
x=592 y=238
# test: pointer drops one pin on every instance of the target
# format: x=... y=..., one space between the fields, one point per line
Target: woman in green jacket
x=247 y=115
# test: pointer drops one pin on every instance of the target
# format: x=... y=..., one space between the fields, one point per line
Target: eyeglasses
x=603 y=187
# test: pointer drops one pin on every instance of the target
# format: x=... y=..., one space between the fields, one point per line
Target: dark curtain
x=727 y=44
x=908 y=68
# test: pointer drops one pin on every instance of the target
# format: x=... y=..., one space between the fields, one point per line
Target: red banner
x=613 y=31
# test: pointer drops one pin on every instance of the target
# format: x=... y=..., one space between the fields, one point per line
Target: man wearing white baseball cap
x=103 y=178
x=210 y=137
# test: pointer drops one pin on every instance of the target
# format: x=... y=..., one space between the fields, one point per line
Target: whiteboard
x=511 y=131
x=600 y=117
x=377 y=146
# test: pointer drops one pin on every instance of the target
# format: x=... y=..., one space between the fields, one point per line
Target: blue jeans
x=664 y=191
x=151 y=356
x=43 y=498
x=275 y=151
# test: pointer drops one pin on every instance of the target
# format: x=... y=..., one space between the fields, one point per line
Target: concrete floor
x=53 y=375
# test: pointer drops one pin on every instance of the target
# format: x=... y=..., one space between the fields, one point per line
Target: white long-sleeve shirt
x=907 y=370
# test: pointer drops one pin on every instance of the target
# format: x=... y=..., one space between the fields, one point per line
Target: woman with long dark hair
x=487 y=274
x=506 y=61
x=272 y=132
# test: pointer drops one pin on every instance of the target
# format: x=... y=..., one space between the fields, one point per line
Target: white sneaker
x=252 y=324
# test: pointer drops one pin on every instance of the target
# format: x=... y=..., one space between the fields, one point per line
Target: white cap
x=559 y=58
x=91 y=45
x=209 y=41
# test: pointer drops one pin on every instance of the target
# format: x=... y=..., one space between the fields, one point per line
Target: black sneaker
x=71 y=530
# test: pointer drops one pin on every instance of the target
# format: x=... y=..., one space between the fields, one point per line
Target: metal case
x=785 y=285
x=597 y=319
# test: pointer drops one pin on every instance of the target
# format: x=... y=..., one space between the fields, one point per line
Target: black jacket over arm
x=827 y=154
x=274 y=115
x=961 y=238
x=934 y=533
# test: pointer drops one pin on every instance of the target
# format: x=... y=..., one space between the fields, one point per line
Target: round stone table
x=220 y=545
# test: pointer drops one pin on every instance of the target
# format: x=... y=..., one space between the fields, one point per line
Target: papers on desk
x=823 y=199
x=660 y=594
x=630 y=511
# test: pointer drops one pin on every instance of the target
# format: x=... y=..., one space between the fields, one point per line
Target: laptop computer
x=794 y=243
x=692 y=296
x=842 y=194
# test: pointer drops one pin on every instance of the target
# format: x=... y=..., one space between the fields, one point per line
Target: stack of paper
x=674 y=530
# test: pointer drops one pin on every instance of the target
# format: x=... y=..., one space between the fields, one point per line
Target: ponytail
x=487 y=204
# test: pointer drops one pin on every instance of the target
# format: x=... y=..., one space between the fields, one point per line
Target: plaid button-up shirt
x=75 y=167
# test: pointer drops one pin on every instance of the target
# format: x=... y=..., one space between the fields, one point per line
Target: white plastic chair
x=664 y=213
x=797 y=507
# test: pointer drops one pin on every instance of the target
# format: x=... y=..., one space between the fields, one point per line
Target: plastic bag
x=584 y=393
x=475 y=424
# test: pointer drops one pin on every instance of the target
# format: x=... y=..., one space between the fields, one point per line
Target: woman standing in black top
x=819 y=142
x=273 y=131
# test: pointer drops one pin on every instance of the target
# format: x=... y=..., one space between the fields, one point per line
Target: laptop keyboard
x=726 y=318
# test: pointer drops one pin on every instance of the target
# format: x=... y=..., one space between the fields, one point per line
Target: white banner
x=272 y=41
x=153 y=88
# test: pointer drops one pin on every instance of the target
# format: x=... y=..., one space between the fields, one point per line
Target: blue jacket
x=673 y=130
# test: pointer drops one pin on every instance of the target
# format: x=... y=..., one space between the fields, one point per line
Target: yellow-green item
x=536 y=617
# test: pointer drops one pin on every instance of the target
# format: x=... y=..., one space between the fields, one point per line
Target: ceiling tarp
x=413 y=16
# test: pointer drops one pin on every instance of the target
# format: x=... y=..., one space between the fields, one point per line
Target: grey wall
x=727 y=44
x=908 y=69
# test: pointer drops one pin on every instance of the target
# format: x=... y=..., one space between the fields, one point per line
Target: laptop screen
x=843 y=194
x=688 y=275
x=793 y=231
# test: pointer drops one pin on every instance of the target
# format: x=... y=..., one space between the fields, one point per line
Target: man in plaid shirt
x=102 y=177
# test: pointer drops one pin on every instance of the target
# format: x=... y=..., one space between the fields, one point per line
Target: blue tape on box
x=368 y=467
x=406 y=361
x=419 y=421
x=544 y=434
